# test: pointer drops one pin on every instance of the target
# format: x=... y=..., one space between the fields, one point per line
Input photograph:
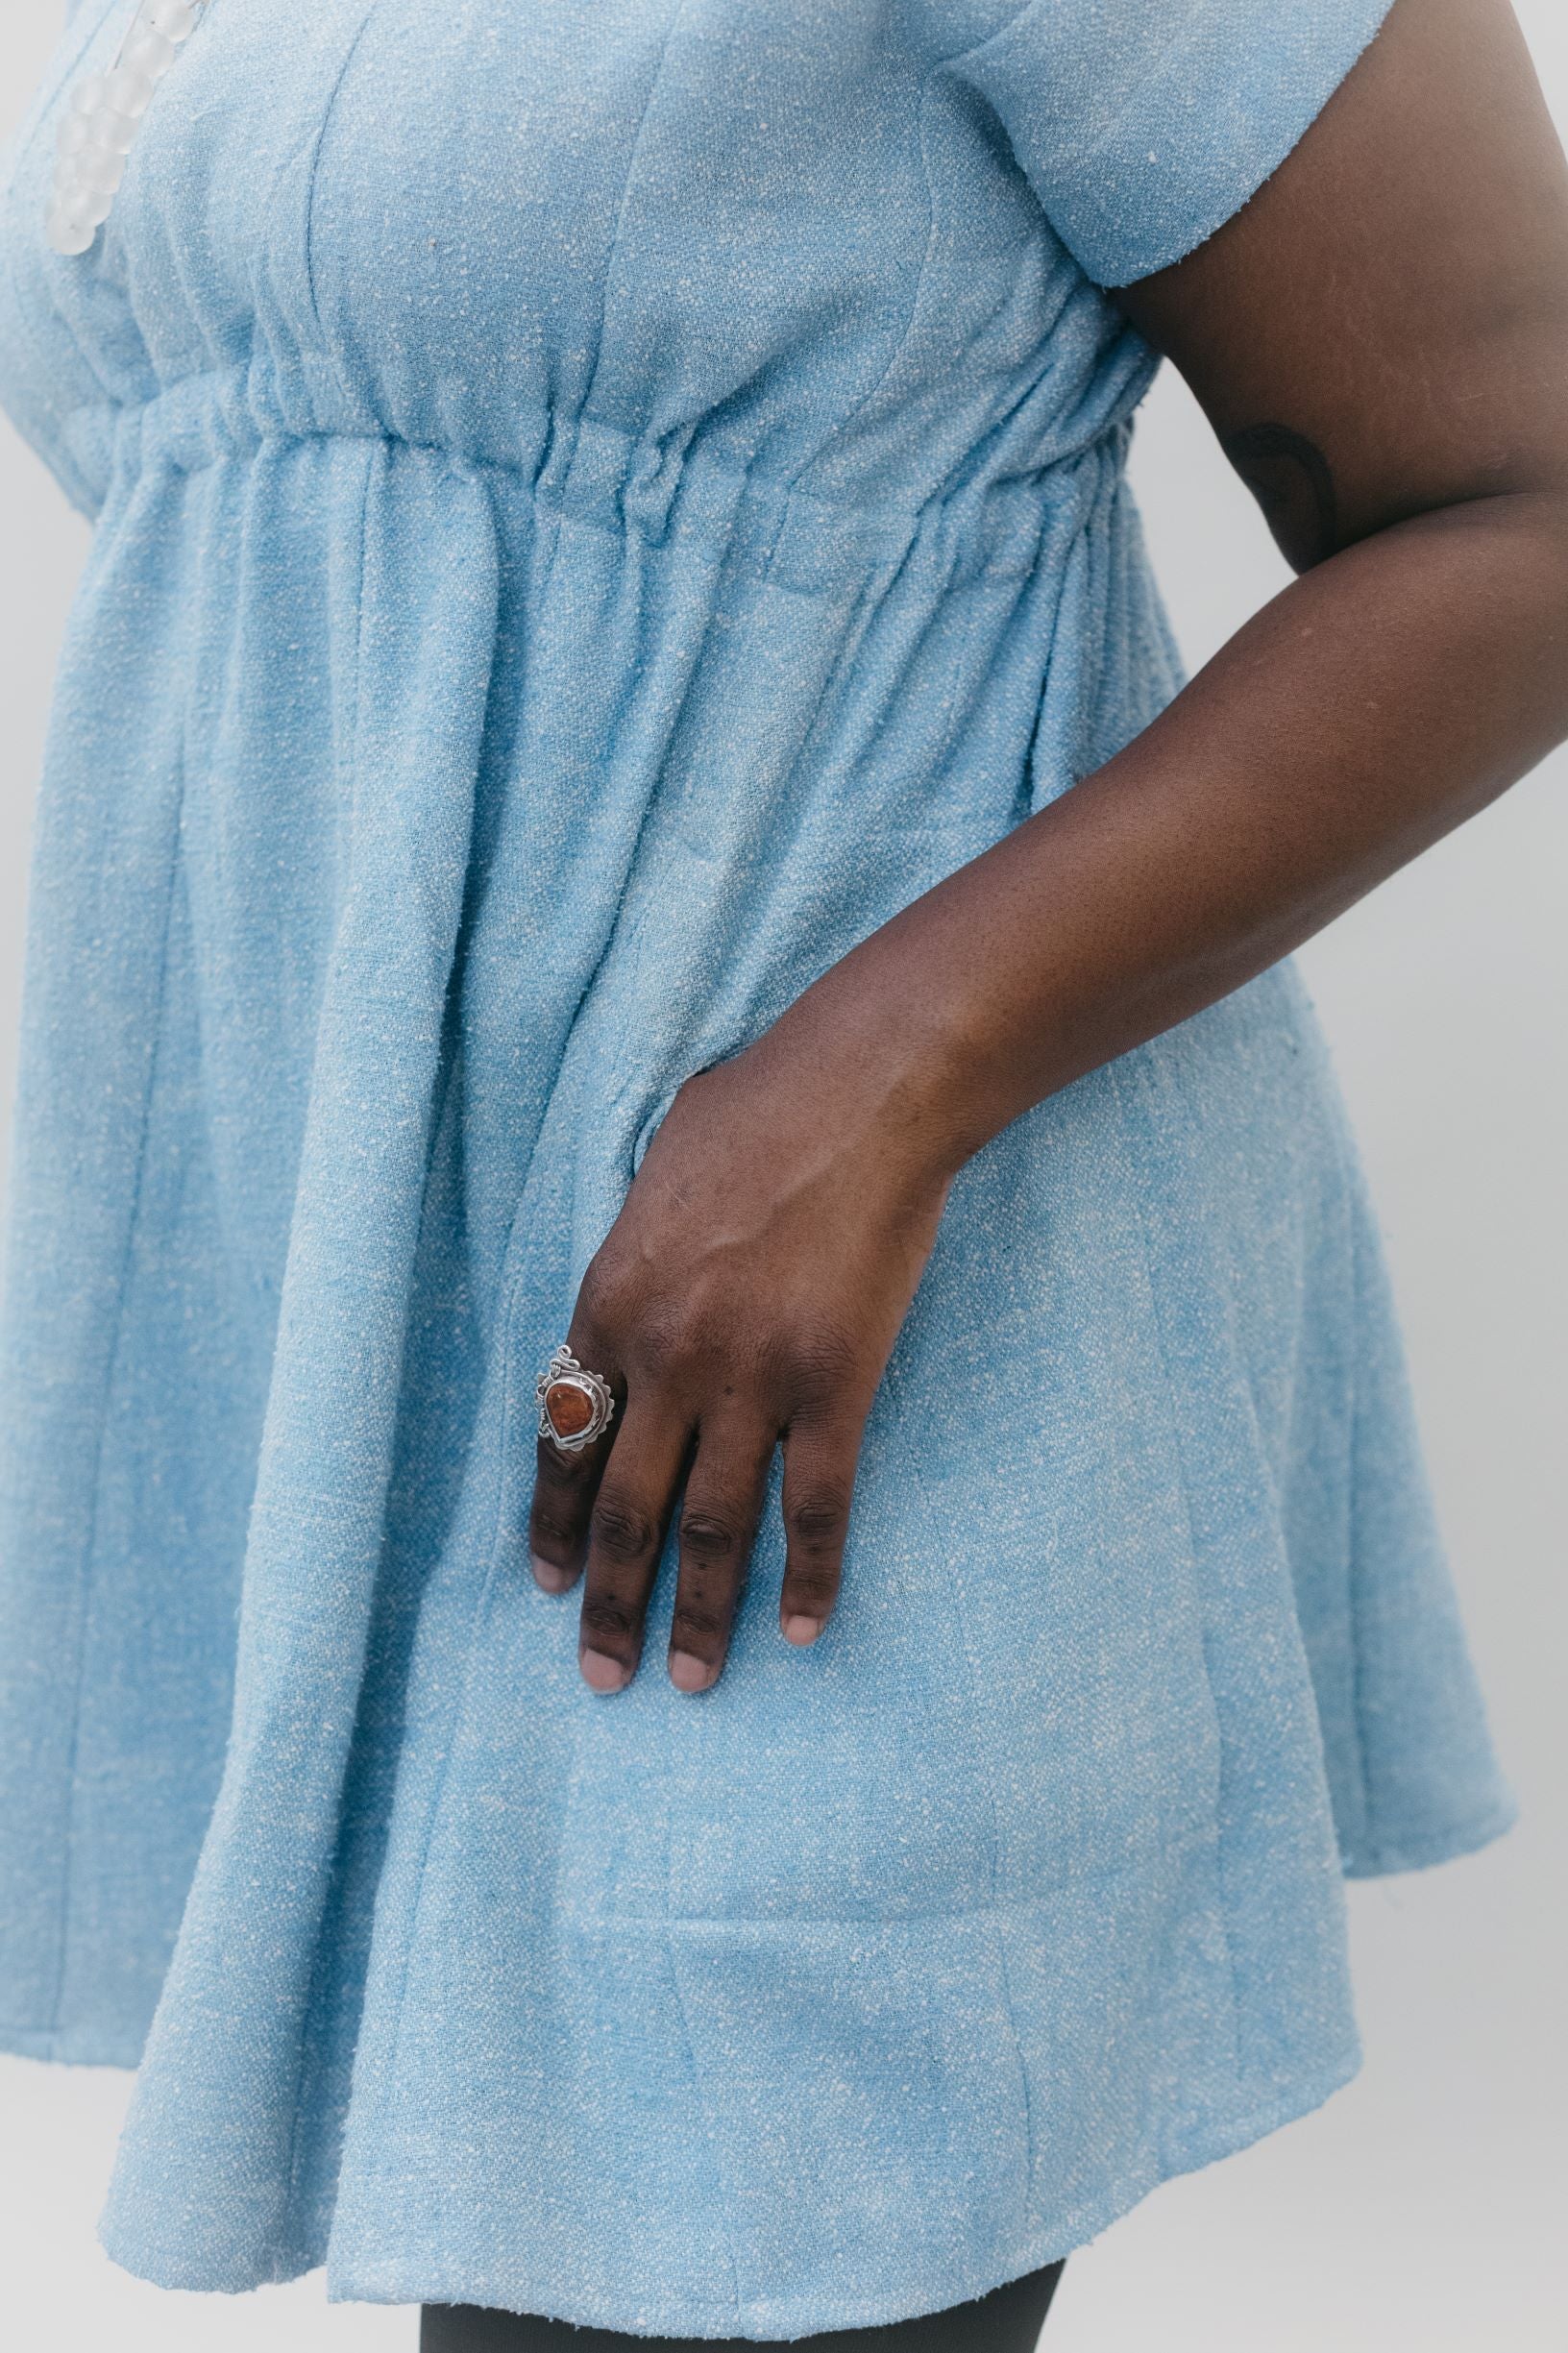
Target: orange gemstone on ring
x=569 y=1407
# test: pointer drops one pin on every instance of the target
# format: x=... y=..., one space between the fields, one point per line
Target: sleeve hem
x=1113 y=255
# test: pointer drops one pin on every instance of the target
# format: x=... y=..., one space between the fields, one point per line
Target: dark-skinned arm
x=1381 y=340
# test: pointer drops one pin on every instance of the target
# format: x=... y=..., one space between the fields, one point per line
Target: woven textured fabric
x=597 y=503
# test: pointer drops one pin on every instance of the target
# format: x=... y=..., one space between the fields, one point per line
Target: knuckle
x=818 y=1366
x=608 y=1618
x=552 y=1530
x=563 y=1477
x=710 y=1536
x=814 y=1590
x=664 y=1345
x=604 y=1302
x=695 y=1627
x=623 y=1530
x=816 y=1522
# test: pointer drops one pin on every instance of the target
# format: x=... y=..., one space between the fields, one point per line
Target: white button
x=91 y=206
x=77 y=131
x=99 y=170
x=100 y=122
x=68 y=235
x=147 y=52
x=128 y=91
x=106 y=129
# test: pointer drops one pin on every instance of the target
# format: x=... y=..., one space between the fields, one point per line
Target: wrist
x=896 y=1061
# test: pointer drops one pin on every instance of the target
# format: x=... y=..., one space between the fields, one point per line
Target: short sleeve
x=1142 y=125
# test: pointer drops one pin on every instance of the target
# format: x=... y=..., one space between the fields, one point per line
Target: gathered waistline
x=679 y=487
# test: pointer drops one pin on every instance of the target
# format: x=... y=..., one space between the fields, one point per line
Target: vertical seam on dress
x=329 y=108
x=185 y=270
x=838 y=432
x=88 y=1578
x=557 y=515
x=893 y=1380
x=1119 y=1082
x=509 y=1280
x=998 y=1933
x=296 y=2140
x=1364 y=1843
x=703 y=2102
x=1368 y=1838
x=558 y=522
x=507 y=1342
x=480 y=1609
x=677 y=13
x=382 y=2094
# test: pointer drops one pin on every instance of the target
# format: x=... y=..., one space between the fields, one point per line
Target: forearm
x=1372 y=706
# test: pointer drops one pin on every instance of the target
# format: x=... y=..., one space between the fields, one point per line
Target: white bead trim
x=103 y=119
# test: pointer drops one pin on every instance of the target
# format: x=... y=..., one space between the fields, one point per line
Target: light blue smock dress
x=597 y=503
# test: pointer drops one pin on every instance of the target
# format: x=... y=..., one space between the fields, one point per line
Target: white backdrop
x=1421 y=2211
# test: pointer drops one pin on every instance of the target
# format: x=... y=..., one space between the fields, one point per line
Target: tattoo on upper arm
x=1289 y=477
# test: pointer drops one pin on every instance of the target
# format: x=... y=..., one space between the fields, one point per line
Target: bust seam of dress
x=322 y=131
x=677 y=10
x=840 y=433
x=997 y=33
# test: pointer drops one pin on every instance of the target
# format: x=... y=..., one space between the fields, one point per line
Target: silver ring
x=575 y=1406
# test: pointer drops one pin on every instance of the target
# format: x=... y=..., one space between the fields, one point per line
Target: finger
x=725 y=1491
x=625 y=1536
x=820 y=1459
x=566 y=1479
x=564 y=1488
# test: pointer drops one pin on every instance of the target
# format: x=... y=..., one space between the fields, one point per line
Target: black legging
x=1006 y=2321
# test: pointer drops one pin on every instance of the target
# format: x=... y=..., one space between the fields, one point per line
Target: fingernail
x=689 y=1672
x=801 y=1630
x=548 y=1575
x=602 y=1673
